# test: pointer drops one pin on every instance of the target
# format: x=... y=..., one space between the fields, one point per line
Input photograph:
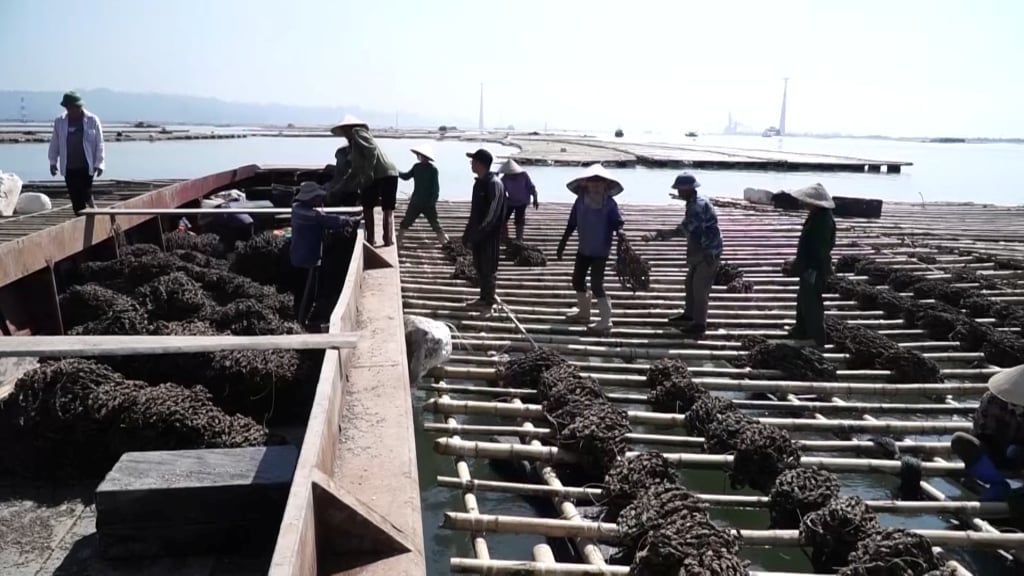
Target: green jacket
x=818 y=237
x=368 y=161
x=426 y=186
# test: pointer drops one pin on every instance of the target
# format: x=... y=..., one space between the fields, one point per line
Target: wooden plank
x=61 y=346
x=191 y=211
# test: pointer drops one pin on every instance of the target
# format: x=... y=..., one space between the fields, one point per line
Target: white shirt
x=92 y=140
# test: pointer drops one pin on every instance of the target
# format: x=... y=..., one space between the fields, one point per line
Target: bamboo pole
x=695 y=442
x=766 y=386
x=767 y=405
x=555 y=455
x=760 y=538
x=469 y=501
x=594 y=495
x=521 y=567
x=198 y=211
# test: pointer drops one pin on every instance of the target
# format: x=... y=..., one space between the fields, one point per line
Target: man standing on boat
x=520 y=191
x=336 y=196
x=425 y=193
x=703 y=252
x=76 y=150
x=483 y=230
x=813 y=262
x=308 y=225
x=372 y=173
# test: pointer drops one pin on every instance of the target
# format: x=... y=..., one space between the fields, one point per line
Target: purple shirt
x=519 y=188
x=596 y=226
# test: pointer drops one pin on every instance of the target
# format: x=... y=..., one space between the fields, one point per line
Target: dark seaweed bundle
x=596 y=431
x=465 y=270
x=89 y=302
x=723 y=433
x=762 y=453
x=265 y=258
x=910 y=367
x=727 y=273
x=633 y=272
x=173 y=297
x=892 y=552
x=209 y=244
x=834 y=531
x=705 y=411
x=740 y=286
x=798 y=492
x=526 y=370
x=522 y=254
x=630 y=477
x=796 y=363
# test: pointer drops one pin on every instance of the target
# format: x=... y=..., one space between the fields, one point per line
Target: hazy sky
x=898 y=67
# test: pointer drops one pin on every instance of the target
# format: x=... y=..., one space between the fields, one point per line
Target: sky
x=894 y=67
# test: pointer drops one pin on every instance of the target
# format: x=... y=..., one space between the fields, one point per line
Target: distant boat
x=619 y=133
x=771 y=131
x=691 y=134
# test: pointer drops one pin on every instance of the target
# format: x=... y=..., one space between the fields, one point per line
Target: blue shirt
x=308 y=225
x=701 y=226
x=596 y=226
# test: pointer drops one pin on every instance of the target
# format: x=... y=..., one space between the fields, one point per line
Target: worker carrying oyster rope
x=370 y=172
x=813 y=263
x=595 y=215
x=703 y=253
x=996 y=447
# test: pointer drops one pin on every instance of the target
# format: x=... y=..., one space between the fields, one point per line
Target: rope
x=512 y=317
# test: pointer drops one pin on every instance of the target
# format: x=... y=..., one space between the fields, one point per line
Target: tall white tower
x=782 y=115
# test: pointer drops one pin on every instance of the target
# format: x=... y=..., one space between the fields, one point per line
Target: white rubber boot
x=442 y=238
x=581 y=313
x=604 y=325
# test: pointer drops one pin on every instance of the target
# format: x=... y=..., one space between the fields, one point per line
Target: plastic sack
x=10 y=189
x=32 y=202
x=758 y=196
x=428 y=344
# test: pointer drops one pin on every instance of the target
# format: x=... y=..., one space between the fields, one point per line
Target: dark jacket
x=818 y=237
x=486 y=212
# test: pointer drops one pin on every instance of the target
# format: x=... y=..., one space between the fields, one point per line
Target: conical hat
x=595 y=171
x=510 y=167
x=308 y=191
x=423 y=150
x=346 y=122
x=815 y=195
x=1009 y=385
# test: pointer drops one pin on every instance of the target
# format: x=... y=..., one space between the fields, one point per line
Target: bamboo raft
x=832 y=422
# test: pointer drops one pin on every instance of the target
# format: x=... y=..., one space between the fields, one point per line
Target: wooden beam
x=196 y=211
x=61 y=346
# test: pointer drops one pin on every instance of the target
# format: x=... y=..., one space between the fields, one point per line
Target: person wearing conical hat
x=997 y=442
x=425 y=193
x=336 y=196
x=77 y=150
x=372 y=173
x=308 y=225
x=595 y=215
x=521 y=191
x=703 y=253
x=813 y=263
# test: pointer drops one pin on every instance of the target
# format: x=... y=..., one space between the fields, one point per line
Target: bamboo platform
x=832 y=422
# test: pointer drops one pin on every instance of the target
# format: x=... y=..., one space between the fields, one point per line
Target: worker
x=997 y=444
x=596 y=215
x=703 y=252
x=77 y=151
x=308 y=225
x=336 y=196
x=483 y=230
x=813 y=263
x=372 y=174
x=520 y=191
x=425 y=192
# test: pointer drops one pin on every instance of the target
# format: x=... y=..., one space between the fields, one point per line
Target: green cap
x=71 y=98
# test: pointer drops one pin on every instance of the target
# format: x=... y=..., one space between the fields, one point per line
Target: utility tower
x=481 y=106
x=24 y=116
x=782 y=115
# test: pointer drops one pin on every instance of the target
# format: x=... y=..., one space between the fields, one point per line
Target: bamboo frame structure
x=758 y=241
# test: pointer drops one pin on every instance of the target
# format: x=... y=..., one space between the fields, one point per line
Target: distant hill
x=113 y=106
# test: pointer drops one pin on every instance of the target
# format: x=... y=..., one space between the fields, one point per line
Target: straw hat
x=308 y=191
x=510 y=167
x=423 y=150
x=595 y=171
x=349 y=121
x=1009 y=385
x=815 y=195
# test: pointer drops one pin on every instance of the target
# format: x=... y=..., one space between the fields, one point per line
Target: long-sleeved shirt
x=595 y=225
x=486 y=211
x=426 y=186
x=700 y=226
x=308 y=225
x=92 y=141
x=817 y=238
x=520 y=189
x=368 y=161
x=999 y=425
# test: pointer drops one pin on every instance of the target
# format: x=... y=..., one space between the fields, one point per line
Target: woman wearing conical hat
x=813 y=262
x=370 y=172
x=520 y=191
x=997 y=444
x=425 y=193
x=595 y=215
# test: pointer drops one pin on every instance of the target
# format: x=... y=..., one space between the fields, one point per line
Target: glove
x=53 y=169
x=99 y=172
x=561 y=250
x=809 y=276
x=649 y=236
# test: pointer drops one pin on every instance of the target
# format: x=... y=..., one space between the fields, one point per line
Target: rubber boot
x=604 y=325
x=442 y=238
x=581 y=313
x=389 y=228
x=368 y=224
x=401 y=236
x=520 y=231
